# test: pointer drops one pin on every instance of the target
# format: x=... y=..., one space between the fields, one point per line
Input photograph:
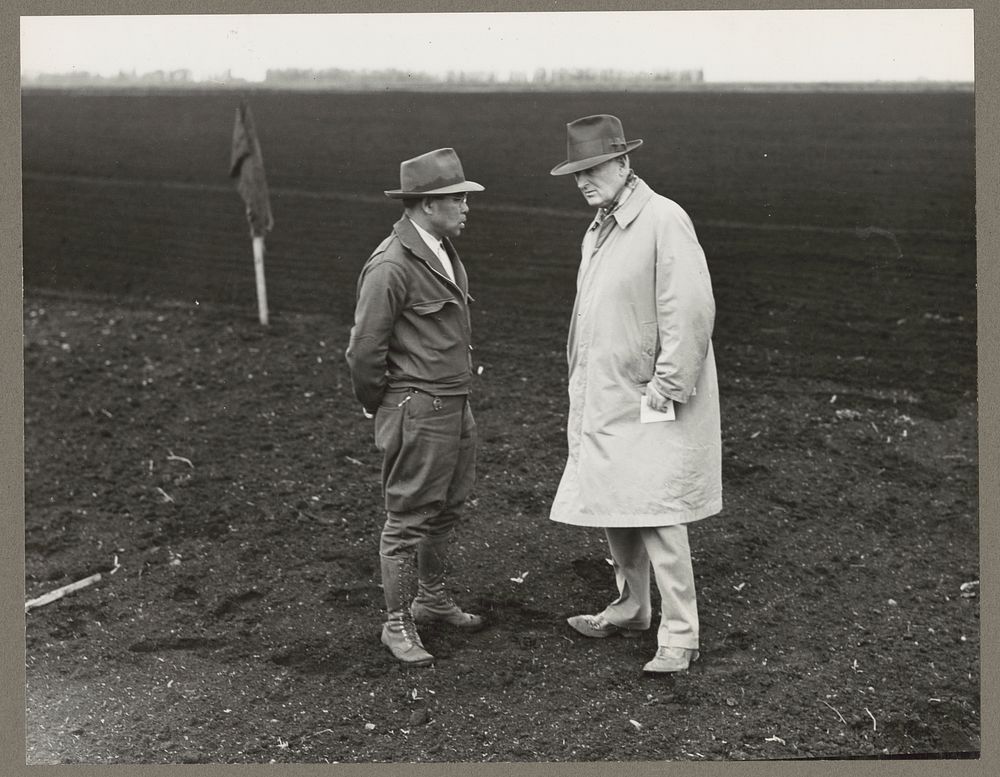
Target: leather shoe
x=671 y=659
x=598 y=626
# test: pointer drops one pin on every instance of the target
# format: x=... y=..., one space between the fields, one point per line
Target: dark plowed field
x=223 y=481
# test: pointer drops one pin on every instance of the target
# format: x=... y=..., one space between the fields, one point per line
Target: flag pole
x=246 y=165
x=258 y=266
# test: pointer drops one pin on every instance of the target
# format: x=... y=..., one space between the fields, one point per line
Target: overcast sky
x=832 y=45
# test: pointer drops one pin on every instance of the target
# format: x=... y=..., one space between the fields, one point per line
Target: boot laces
x=410 y=633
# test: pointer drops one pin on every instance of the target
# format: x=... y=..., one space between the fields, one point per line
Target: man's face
x=600 y=184
x=447 y=214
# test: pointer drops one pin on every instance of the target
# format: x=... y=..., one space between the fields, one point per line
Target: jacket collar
x=412 y=242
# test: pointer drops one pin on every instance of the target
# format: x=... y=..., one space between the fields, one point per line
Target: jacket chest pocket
x=430 y=308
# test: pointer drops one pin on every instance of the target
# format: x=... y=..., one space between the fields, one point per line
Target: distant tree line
x=541 y=77
x=342 y=78
x=83 y=78
x=568 y=79
x=562 y=76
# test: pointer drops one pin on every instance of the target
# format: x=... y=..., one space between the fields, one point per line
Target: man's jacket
x=411 y=323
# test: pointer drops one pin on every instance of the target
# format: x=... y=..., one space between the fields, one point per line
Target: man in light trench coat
x=643 y=431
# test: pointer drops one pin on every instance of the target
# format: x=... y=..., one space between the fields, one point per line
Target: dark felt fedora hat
x=436 y=172
x=592 y=140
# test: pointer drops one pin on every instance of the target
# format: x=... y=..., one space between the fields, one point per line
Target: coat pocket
x=645 y=363
x=429 y=307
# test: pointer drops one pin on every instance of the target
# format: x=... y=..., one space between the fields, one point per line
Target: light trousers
x=666 y=549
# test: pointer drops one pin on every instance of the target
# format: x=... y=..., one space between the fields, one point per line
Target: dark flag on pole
x=246 y=165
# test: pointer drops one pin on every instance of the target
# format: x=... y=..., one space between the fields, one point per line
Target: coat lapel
x=631 y=208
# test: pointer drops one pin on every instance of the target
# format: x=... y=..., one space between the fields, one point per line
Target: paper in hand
x=649 y=416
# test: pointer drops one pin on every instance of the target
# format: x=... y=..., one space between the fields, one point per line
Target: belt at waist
x=438 y=401
x=415 y=390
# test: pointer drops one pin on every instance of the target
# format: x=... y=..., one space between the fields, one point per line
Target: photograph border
x=12 y=643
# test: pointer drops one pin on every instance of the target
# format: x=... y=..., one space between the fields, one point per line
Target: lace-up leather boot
x=433 y=603
x=399 y=633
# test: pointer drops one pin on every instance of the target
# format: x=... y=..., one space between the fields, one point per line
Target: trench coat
x=644 y=313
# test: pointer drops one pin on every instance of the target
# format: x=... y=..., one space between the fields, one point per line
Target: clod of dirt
x=419 y=717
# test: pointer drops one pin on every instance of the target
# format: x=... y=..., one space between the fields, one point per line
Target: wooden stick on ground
x=59 y=593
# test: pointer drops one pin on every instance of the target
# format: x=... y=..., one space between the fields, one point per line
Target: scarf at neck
x=602 y=213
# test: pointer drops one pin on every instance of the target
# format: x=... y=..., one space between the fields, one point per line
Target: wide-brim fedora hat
x=436 y=172
x=593 y=140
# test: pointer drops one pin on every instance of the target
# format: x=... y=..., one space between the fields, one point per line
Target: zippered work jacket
x=411 y=322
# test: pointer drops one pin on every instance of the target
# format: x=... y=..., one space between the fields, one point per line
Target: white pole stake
x=258 y=266
x=59 y=593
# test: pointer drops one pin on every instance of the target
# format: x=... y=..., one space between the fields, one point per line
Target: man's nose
x=580 y=179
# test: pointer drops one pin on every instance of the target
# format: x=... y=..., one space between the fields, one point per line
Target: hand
x=655 y=399
x=367 y=415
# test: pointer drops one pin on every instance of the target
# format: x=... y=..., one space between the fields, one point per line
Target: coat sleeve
x=380 y=299
x=685 y=306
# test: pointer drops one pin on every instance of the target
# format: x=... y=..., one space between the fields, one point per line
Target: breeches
x=428 y=447
x=666 y=549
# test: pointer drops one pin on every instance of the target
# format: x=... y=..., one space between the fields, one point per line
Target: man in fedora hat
x=410 y=363
x=644 y=433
